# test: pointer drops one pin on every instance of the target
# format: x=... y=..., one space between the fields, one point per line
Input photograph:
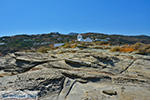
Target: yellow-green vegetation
x=144 y=49
x=69 y=45
x=115 y=49
x=137 y=45
x=124 y=48
x=101 y=43
x=74 y=44
x=43 y=49
x=139 y=48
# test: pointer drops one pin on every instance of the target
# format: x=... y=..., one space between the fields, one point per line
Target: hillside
x=10 y=44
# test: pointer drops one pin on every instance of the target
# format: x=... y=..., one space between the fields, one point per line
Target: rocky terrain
x=77 y=74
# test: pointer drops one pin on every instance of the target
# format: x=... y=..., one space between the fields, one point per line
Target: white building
x=80 y=38
x=88 y=40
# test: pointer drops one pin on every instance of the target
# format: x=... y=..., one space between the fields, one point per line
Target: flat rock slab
x=74 y=74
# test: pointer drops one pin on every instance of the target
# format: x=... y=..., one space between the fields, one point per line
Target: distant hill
x=9 y=44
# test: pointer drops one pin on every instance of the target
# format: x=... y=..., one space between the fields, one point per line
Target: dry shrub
x=72 y=42
x=148 y=50
x=144 y=50
x=115 y=49
x=43 y=49
x=122 y=49
x=137 y=45
x=74 y=45
x=98 y=47
x=29 y=50
x=102 y=43
x=127 y=49
x=70 y=45
x=51 y=46
x=66 y=45
x=139 y=48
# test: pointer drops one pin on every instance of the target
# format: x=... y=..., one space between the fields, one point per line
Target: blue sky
x=128 y=17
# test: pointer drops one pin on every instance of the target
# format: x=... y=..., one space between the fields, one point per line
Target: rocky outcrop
x=87 y=74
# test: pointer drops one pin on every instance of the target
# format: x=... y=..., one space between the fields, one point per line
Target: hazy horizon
x=74 y=32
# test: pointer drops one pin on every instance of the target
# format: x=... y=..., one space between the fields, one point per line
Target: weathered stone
x=74 y=74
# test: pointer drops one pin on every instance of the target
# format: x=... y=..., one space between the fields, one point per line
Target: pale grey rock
x=74 y=74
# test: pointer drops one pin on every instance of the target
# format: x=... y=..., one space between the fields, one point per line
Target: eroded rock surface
x=74 y=74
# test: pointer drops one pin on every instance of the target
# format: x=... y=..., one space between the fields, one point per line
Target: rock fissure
x=126 y=68
x=70 y=89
